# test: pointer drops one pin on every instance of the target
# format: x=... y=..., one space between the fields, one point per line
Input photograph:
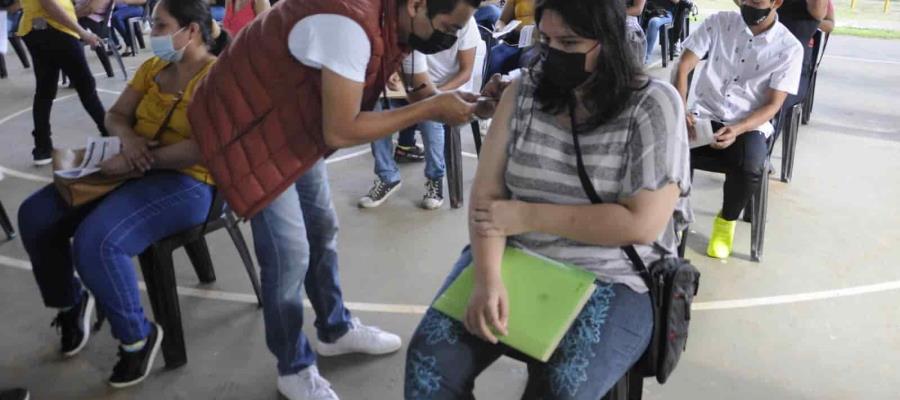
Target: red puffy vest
x=258 y=114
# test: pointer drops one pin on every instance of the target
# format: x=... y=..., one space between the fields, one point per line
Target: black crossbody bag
x=673 y=282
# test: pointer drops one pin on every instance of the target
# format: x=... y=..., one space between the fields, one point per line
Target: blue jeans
x=606 y=339
x=653 y=32
x=504 y=58
x=105 y=236
x=120 y=22
x=487 y=15
x=432 y=137
x=296 y=244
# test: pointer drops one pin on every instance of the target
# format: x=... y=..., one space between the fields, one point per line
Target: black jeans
x=745 y=161
x=52 y=51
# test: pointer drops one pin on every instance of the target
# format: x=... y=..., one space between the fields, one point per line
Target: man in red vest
x=297 y=83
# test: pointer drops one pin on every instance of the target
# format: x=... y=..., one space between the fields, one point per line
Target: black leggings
x=52 y=51
x=746 y=161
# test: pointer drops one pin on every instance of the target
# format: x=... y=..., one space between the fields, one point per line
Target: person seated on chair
x=125 y=9
x=753 y=63
x=505 y=55
x=427 y=75
x=171 y=192
x=827 y=24
x=92 y=15
x=635 y=33
x=657 y=14
x=239 y=13
x=527 y=194
x=488 y=13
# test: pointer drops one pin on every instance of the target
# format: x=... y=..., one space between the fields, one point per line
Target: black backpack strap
x=595 y=198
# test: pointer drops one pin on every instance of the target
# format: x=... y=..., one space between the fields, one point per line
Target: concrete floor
x=779 y=329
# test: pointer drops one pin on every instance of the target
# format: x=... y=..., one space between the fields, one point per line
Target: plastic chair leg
x=241 y=245
x=3 y=72
x=6 y=224
x=159 y=276
x=476 y=136
x=198 y=253
x=453 y=159
x=104 y=60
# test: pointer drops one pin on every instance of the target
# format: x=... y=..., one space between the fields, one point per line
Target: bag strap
x=588 y=187
x=165 y=123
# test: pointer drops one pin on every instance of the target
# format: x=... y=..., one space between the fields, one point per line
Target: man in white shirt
x=447 y=70
x=753 y=63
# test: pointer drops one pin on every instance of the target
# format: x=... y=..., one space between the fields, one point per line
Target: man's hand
x=394 y=83
x=691 y=122
x=454 y=108
x=725 y=137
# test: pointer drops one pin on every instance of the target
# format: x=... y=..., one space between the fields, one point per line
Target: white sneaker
x=306 y=385
x=434 y=194
x=362 y=339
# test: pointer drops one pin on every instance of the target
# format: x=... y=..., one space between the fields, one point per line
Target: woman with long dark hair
x=527 y=194
x=171 y=192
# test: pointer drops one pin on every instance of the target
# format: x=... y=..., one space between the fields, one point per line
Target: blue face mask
x=164 y=48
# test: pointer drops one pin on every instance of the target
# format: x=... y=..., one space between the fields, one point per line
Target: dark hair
x=191 y=11
x=617 y=76
x=436 y=7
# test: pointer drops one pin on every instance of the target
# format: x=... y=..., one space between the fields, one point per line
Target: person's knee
x=37 y=217
x=91 y=243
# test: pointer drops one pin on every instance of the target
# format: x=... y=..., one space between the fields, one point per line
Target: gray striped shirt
x=646 y=147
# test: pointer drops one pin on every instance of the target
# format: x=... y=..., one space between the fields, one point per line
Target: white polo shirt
x=740 y=68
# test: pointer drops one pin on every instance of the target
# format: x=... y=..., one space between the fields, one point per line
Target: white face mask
x=164 y=48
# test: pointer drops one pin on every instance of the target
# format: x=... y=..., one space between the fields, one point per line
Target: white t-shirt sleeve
x=468 y=36
x=415 y=63
x=332 y=41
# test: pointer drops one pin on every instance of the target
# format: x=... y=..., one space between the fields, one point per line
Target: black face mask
x=565 y=71
x=436 y=43
x=754 y=16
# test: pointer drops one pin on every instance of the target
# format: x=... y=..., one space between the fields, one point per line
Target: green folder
x=545 y=297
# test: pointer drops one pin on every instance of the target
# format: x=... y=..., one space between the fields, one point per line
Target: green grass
x=867 y=33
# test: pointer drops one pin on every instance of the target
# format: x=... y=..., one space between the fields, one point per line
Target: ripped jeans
x=606 y=339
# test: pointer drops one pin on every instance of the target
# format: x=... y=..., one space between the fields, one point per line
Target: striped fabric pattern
x=644 y=148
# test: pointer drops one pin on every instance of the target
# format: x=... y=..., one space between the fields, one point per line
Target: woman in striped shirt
x=527 y=194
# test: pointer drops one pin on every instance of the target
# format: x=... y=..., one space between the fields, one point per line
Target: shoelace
x=378 y=190
x=356 y=324
x=433 y=190
x=318 y=385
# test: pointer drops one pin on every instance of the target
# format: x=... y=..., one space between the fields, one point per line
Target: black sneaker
x=133 y=367
x=378 y=194
x=404 y=154
x=42 y=156
x=15 y=394
x=434 y=194
x=75 y=325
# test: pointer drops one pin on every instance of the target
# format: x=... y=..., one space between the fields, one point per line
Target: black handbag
x=673 y=282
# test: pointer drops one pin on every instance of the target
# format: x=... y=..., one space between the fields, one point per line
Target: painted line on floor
x=348 y=156
x=866 y=60
x=420 y=309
